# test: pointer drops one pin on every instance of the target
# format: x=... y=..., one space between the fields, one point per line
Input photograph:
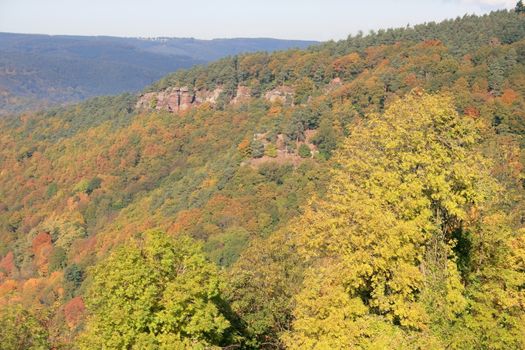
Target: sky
x=208 y=19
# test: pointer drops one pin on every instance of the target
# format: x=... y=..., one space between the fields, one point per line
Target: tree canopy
x=155 y=293
x=408 y=240
x=366 y=193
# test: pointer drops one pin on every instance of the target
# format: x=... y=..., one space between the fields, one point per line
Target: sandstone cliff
x=175 y=99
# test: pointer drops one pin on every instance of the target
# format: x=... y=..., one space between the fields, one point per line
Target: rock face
x=177 y=99
x=281 y=93
x=334 y=85
x=243 y=94
x=205 y=96
x=186 y=99
x=172 y=100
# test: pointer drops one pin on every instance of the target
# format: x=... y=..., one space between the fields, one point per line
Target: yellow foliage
x=381 y=243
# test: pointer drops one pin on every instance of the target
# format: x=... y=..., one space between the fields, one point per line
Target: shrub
x=304 y=151
x=271 y=150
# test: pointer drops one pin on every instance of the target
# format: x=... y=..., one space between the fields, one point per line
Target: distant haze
x=38 y=70
x=206 y=19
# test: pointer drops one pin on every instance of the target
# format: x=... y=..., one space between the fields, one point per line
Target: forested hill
x=39 y=70
x=461 y=35
x=364 y=194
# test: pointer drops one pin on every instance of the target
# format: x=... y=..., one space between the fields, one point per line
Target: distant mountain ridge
x=366 y=193
x=37 y=70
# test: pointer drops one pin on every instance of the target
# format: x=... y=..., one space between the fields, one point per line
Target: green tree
x=155 y=293
x=304 y=151
x=303 y=90
x=57 y=259
x=302 y=119
x=257 y=149
x=224 y=249
x=73 y=276
x=93 y=184
x=52 y=189
x=271 y=150
x=520 y=7
x=261 y=288
x=325 y=139
x=21 y=330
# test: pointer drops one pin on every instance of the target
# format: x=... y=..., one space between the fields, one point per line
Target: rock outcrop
x=206 y=96
x=281 y=93
x=334 y=84
x=243 y=94
x=175 y=99
x=172 y=100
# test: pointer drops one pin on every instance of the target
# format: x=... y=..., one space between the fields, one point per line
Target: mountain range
x=41 y=70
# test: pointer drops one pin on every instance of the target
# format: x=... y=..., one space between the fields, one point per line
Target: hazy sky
x=206 y=19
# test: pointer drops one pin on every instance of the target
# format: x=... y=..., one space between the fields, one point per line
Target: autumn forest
x=367 y=193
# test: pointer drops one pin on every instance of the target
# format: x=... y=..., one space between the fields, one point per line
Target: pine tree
x=520 y=7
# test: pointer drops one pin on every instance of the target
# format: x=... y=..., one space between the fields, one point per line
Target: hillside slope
x=43 y=69
x=366 y=193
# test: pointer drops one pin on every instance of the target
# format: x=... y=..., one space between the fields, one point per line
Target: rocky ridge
x=179 y=99
x=176 y=99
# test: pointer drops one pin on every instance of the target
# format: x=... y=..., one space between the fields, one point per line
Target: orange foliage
x=471 y=111
x=8 y=287
x=346 y=62
x=375 y=53
x=244 y=144
x=7 y=264
x=509 y=96
x=41 y=248
x=73 y=311
x=432 y=43
x=185 y=220
x=32 y=287
x=275 y=109
x=411 y=80
x=154 y=150
x=83 y=247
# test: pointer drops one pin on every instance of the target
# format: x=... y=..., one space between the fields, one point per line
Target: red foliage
x=7 y=264
x=74 y=311
x=41 y=239
x=42 y=247
x=471 y=111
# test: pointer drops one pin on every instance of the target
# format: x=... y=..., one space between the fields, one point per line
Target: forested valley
x=361 y=194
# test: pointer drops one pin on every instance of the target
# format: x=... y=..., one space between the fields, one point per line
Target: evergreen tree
x=520 y=7
x=304 y=151
x=257 y=149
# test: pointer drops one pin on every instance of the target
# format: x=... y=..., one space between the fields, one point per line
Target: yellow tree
x=392 y=246
x=155 y=293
